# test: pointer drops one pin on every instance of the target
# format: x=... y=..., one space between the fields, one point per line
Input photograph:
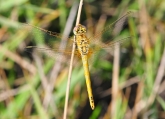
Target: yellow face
x=79 y=29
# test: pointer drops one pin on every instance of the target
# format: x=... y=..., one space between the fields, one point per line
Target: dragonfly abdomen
x=88 y=81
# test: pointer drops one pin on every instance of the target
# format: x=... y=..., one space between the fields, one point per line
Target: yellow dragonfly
x=86 y=46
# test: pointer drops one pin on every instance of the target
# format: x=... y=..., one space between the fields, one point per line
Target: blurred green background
x=33 y=85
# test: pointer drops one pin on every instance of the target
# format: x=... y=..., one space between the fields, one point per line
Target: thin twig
x=9 y=93
x=44 y=80
x=128 y=83
x=115 y=87
x=71 y=64
x=158 y=79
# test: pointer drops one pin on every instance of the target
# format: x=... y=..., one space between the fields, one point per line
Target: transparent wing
x=51 y=49
x=49 y=42
x=109 y=47
x=43 y=36
x=109 y=32
x=53 y=53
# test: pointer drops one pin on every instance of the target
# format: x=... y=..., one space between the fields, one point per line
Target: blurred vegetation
x=33 y=85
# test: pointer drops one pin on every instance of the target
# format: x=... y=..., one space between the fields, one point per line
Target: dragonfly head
x=79 y=29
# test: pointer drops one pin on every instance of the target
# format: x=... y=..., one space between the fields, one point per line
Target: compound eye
x=75 y=30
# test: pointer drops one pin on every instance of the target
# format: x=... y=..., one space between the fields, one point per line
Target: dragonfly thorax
x=82 y=44
x=81 y=39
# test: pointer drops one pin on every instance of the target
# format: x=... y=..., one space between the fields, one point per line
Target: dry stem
x=71 y=64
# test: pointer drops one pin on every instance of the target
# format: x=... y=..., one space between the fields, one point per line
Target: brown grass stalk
x=71 y=64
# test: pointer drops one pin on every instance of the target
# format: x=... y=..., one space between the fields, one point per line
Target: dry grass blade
x=115 y=86
x=23 y=63
x=71 y=64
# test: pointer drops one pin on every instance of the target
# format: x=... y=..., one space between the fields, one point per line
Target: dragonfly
x=86 y=46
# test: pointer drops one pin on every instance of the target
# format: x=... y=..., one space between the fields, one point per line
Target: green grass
x=22 y=91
